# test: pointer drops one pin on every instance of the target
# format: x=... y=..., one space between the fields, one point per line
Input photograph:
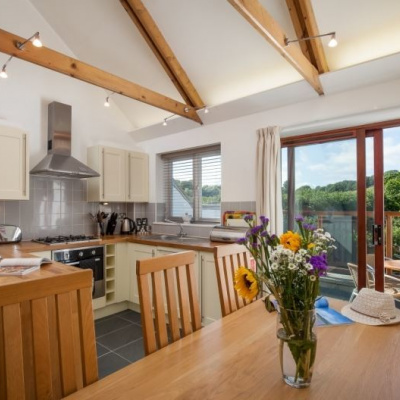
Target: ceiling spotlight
x=3 y=73
x=333 y=41
x=35 y=38
x=107 y=102
x=165 y=122
x=206 y=110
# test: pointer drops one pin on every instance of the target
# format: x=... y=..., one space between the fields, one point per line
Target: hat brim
x=365 y=319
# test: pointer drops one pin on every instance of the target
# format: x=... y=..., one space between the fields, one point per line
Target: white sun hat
x=372 y=308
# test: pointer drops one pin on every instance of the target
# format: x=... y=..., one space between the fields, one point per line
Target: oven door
x=96 y=264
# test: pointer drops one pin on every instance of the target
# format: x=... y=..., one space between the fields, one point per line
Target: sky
x=322 y=164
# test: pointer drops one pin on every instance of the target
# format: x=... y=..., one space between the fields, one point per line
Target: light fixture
x=206 y=110
x=107 y=102
x=166 y=119
x=35 y=38
x=332 y=42
x=20 y=46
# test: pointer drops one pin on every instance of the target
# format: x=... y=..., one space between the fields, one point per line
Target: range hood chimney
x=59 y=162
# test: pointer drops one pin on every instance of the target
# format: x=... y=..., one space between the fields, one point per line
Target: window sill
x=207 y=225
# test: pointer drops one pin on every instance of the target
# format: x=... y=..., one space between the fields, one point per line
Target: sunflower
x=246 y=283
x=291 y=241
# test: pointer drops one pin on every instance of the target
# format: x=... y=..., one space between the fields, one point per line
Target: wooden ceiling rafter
x=269 y=28
x=305 y=25
x=156 y=41
x=74 y=68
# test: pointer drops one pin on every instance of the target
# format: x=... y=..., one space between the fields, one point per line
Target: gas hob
x=61 y=239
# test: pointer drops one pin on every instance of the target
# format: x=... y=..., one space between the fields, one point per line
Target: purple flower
x=248 y=218
x=264 y=234
x=319 y=263
x=264 y=220
x=255 y=245
x=241 y=240
x=256 y=229
x=309 y=227
x=299 y=218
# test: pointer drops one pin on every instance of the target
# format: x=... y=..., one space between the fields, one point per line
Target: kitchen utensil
x=10 y=234
x=112 y=222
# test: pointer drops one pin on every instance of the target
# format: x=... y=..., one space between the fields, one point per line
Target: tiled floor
x=119 y=341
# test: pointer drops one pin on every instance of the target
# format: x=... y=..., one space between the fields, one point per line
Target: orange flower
x=291 y=240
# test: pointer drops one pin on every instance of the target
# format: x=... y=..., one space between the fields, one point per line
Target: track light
x=206 y=110
x=107 y=102
x=332 y=42
x=166 y=119
x=165 y=122
x=35 y=38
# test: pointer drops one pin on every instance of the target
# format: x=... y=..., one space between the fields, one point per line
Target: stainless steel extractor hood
x=59 y=162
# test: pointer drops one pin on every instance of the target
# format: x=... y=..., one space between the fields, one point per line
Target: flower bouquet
x=288 y=268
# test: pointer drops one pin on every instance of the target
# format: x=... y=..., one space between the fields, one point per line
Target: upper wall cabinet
x=123 y=175
x=14 y=164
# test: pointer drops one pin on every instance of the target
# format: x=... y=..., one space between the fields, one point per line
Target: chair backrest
x=172 y=278
x=228 y=259
x=47 y=340
x=370 y=281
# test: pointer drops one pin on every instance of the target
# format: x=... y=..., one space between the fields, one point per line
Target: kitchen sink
x=175 y=238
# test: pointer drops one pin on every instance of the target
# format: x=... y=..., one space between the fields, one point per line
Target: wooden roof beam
x=156 y=41
x=305 y=25
x=66 y=65
x=263 y=22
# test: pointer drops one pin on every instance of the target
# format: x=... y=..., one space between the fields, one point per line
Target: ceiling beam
x=66 y=65
x=156 y=41
x=305 y=25
x=263 y=22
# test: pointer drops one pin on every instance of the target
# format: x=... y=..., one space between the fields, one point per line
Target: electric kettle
x=127 y=226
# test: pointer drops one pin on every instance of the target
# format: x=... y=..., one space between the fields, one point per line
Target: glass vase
x=297 y=346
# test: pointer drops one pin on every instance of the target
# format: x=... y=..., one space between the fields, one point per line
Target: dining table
x=391 y=265
x=237 y=358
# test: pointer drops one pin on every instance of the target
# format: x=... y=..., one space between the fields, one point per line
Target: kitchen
x=61 y=206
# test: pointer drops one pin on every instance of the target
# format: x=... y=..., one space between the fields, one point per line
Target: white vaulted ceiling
x=233 y=68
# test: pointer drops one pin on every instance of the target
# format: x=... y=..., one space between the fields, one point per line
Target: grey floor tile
x=101 y=350
x=121 y=337
x=130 y=315
x=110 y=325
x=133 y=351
x=110 y=363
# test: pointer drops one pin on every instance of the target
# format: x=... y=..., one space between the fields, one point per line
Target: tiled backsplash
x=59 y=207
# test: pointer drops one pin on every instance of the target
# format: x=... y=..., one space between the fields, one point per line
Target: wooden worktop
x=31 y=247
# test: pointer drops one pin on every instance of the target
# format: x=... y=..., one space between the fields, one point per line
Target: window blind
x=192 y=184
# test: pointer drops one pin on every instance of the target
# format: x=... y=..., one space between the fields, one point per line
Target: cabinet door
x=113 y=175
x=210 y=304
x=14 y=168
x=138 y=177
x=137 y=252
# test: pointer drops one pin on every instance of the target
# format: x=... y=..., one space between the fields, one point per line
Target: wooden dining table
x=391 y=265
x=237 y=358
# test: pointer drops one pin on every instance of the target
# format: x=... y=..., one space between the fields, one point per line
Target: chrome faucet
x=181 y=232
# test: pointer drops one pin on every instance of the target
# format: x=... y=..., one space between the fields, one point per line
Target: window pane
x=182 y=187
x=211 y=187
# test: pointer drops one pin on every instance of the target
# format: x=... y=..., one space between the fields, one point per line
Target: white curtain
x=268 y=175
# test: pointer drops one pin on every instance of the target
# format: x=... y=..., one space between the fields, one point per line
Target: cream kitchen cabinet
x=14 y=164
x=123 y=175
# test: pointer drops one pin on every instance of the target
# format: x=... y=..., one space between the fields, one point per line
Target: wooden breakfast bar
x=237 y=358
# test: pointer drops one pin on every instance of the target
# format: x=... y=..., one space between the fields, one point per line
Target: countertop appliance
x=64 y=239
x=10 y=234
x=59 y=162
x=84 y=258
x=127 y=226
x=227 y=234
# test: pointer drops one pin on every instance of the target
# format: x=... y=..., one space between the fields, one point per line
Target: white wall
x=238 y=136
x=27 y=91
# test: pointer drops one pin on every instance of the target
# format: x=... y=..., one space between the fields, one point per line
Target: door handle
x=376 y=234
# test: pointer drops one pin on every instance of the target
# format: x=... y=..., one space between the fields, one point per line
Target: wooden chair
x=392 y=284
x=47 y=340
x=172 y=278
x=228 y=259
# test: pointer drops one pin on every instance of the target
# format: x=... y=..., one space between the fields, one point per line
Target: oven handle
x=73 y=263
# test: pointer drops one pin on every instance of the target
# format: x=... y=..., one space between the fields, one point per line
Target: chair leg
x=353 y=295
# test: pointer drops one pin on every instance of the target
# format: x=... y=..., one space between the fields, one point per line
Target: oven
x=85 y=257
